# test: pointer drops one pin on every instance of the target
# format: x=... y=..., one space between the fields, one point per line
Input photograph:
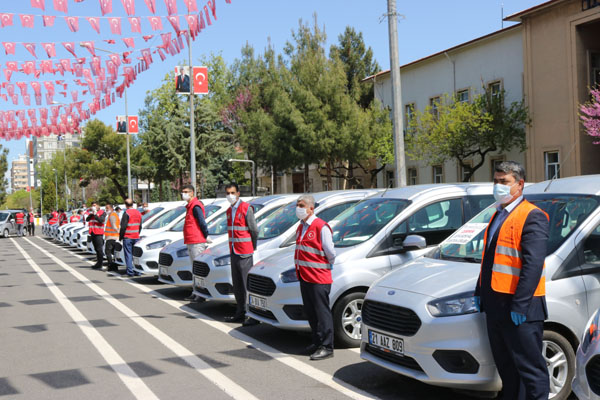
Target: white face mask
x=185 y=196
x=231 y=198
x=301 y=213
x=502 y=193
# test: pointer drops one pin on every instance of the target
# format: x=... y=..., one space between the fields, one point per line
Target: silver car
x=420 y=320
x=174 y=262
x=8 y=225
x=371 y=238
x=212 y=270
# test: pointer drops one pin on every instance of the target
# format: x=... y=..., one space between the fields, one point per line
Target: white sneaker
x=104 y=268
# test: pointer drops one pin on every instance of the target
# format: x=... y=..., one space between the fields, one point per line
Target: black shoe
x=235 y=318
x=321 y=354
x=96 y=266
x=311 y=349
x=250 y=322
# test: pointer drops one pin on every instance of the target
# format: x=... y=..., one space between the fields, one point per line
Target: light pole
x=192 y=128
x=251 y=174
x=55 y=187
x=65 y=168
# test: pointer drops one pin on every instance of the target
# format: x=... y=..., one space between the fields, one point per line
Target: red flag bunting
x=106 y=6
x=72 y=23
x=6 y=19
x=135 y=24
x=38 y=4
x=90 y=46
x=26 y=20
x=30 y=48
x=191 y=5
x=174 y=20
x=9 y=47
x=50 y=49
x=48 y=20
x=129 y=42
x=61 y=5
x=212 y=4
x=151 y=4
x=207 y=16
x=115 y=25
x=171 y=6
x=155 y=23
x=129 y=6
x=147 y=37
x=70 y=46
x=94 y=23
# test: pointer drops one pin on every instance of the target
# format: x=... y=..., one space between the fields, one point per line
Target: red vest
x=132 y=230
x=31 y=218
x=75 y=218
x=53 y=220
x=191 y=230
x=311 y=263
x=95 y=227
x=239 y=235
x=20 y=218
x=63 y=219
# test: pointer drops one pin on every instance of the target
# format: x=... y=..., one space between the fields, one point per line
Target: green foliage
x=465 y=131
x=20 y=200
x=3 y=170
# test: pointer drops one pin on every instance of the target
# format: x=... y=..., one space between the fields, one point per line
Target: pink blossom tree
x=590 y=115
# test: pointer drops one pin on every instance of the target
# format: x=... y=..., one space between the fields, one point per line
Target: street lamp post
x=251 y=174
x=65 y=168
x=55 y=187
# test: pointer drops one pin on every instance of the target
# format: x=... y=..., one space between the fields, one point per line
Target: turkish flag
x=174 y=20
x=171 y=7
x=115 y=25
x=151 y=4
x=61 y=5
x=38 y=4
x=155 y=23
x=129 y=42
x=48 y=20
x=106 y=6
x=135 y=24
x=72 y=23
x=30 y=48
x=200 y=80
x=50 y=49
x=95 y=23
x=191 y=5
x=9 y=47
x=133 y=124
x=26 y=20
x=129 y=6
x=6 y=19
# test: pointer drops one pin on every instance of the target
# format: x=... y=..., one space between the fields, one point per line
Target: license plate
x=258 y=302
x=162 y=270
x=199 y=282
x=386 y=343
x=136 y=261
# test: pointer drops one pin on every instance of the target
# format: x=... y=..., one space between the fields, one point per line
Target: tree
x=462 y=131
x=3 y=170
x=20 y=200
x=590 y=115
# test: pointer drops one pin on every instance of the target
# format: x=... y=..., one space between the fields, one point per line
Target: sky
x=426 y=27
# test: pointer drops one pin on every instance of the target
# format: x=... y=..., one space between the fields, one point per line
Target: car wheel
x=347 y=319
x=560 y=359
x=5 y=233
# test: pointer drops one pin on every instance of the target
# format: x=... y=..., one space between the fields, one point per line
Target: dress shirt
x=500 y=217
x=326 y=239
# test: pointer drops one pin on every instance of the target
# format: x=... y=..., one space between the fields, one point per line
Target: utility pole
x=192 y=130
x=400 y=163
x=128 y=156
x=55 y=187
x=65 y=168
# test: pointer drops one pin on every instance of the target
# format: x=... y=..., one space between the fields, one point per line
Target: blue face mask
x=502 y=193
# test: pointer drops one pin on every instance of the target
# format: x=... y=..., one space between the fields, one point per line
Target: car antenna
x=385 y=191
x=558 y=169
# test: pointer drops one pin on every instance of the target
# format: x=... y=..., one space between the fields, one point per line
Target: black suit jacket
x=534 y=239
x=183 y=85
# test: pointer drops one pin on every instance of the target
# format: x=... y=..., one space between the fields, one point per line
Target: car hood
x=158 y=237
x=284 y=260
x=432 y=277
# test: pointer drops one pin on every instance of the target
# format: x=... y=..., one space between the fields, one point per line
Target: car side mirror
x=414 y=242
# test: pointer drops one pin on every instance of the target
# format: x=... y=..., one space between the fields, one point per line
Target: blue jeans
x=128 y=252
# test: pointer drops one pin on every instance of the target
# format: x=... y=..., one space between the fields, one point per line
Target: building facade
x=45 y=147
x=18 y=173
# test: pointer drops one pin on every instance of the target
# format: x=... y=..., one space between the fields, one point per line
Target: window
x=438 y=174
x=412 y=176
x=595 y=69
x=551 y=164
x=591 y=248
x=409 y=112
x=462 y=96
x=390 y=179
x=495 y=88
x=324 y=185
x=434 y=103
x=464 y=171
x=494 y=163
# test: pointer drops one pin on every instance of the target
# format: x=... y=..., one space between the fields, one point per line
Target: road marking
x=217 y=378
x=292 y=362
x=133 y=382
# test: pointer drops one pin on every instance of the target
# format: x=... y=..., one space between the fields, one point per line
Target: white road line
x=217 y=378
x=133 y=382
x=292 y=362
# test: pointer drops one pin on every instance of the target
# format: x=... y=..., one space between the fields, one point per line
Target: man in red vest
x=54 y=217
x=314 y=258
x=129 y=234
x=243 y=233
x=62 y=218
x=20 y=217
x=96 y=230
x=195 y=231
x=76 y=217
x=31 y=222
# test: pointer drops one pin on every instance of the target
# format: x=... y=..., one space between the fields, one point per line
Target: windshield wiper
x=458 y=258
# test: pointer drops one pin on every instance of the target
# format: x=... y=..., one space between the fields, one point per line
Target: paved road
x=69 y=332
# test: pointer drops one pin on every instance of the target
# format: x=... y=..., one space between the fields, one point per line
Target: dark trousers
x=517 y=352
x=20 y=229
x=98 y=243
x=315 y=297
x=240 y=266
x=128 y=254
x=31 y=229
x=109 y=249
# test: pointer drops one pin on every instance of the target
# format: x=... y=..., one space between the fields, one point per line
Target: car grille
x=592 y=371
x=137 y=251
x=201 y=268
x=261 y=285
x=166 y=277
x=263 y=313
x=118 y=246
x=202 y=290
x=165 y=259
x=185 y=275
x=404 y=361
x=400 y=320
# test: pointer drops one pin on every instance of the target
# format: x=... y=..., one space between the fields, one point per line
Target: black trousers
x=517 y=352
x=240 y=266
x=31 y=229
x=315 y=297
x=98 y=243
x=110 y=251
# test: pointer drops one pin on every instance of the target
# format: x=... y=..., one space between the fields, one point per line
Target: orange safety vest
x=508 y=261
x=111 y=231
x=239 y=235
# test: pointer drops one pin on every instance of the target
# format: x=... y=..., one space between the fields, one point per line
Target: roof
x=584 y=184
x=431 y=189
x=516 y=17
x=470 y=42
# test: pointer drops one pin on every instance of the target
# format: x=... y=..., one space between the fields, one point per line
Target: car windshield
x=266 y=214
x=178 y=227
x=3 y=217
x=278 y=222
x=218 y=226
x=210 y=210
x=167 y=218
x=151 y=214
x=566 y=213
x=362 y=221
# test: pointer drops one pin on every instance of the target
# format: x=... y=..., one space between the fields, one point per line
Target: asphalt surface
x=70 y=332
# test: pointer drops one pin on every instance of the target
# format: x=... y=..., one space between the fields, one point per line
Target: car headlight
x=289 y=276
x=182 y=252
x=158 y=245
x=222 y=261
x=592 y=332
x=459 y=304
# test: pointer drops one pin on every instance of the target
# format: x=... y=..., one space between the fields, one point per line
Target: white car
x=586 y=384
x=174 y=262
x=76 y=236
x=212 y=269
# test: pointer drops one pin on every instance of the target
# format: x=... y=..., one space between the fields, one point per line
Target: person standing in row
x=62 y=218
x=96 y=230
x=195 y=231
x=111 y=235
x=20 y=221
x=76 y=217
x=243 y=234
x=129 y=234
x=314 y=259
x=31 y=222
x=511 y=287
